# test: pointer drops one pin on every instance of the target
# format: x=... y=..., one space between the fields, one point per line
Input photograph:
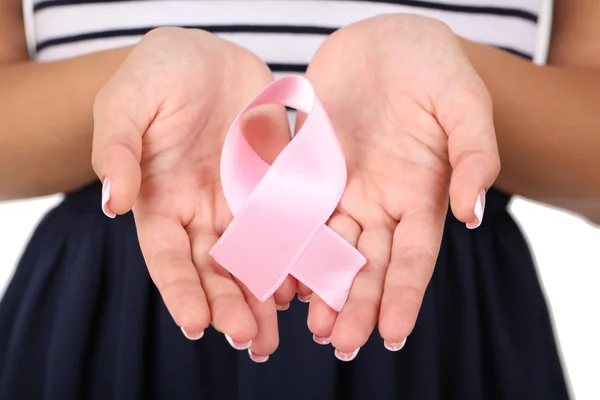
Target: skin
x=158 y=132
x=62 y=94
x=46 y=113
x=157 y=140
x=426 y=136
x=528 y=127
x=545 y=115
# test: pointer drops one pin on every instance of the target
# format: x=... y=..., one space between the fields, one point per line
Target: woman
x=82 y=319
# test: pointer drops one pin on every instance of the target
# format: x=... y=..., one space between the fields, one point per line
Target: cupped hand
x=159 y=126
x=415 y=123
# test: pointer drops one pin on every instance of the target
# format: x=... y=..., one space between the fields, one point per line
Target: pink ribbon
x=280 y=210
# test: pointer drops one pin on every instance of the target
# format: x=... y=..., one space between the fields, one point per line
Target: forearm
x=46 y=123
x=548 y=129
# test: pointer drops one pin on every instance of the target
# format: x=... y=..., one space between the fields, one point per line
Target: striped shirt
x=285 y=33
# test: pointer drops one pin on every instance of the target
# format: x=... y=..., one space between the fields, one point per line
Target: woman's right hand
x=159 y=126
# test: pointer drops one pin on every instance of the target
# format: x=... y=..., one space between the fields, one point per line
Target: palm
x=381 y=92
x=391 y=170
x=180 y=210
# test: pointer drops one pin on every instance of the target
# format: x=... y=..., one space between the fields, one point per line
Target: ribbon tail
x=328 y=267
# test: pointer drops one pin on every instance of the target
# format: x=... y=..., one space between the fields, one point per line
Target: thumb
x=121 y=116
x=267 y=130
x=467 y=118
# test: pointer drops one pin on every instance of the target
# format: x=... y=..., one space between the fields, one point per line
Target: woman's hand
x=415 y=123
x=159 y=126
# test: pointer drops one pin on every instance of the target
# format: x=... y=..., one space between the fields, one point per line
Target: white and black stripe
x=283 y=33
x=518 y=9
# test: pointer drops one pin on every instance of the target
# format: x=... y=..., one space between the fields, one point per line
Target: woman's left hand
x=415 y=123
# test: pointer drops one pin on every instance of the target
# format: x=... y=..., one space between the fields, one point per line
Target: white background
x=567 y=251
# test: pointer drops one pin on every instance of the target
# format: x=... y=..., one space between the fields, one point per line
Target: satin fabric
x=280 y=211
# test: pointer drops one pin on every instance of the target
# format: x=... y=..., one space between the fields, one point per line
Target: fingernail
x=105 y=198
x=256 y=358
x=346 y=356
x=321 y=340
x=305 y=299
x=236 y=345
x=192 y=337
x=478 y=210
x=394 y=346
x=283 y=307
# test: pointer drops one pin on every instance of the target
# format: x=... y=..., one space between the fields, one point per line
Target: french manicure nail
x=321 y=340
x=256 y=358
x=394 y=346
x=346 y=356
x=283 y=307
x=236 y=345
x=106 y=198
x=478 y=210
x=192 y=337
x=305 y=299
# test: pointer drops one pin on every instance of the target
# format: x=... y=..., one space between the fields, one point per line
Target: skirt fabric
x=82 y=320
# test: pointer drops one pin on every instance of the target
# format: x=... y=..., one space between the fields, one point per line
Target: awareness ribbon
x=280 y=210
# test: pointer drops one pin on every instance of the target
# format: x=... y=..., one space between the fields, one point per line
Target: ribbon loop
x=280 y=210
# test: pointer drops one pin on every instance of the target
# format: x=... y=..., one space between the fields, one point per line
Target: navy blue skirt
x=82 y=320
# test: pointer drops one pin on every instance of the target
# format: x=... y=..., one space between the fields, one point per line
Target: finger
x=285 y=293
x=415 y=249
x=304 y=292
x=467 y=117
x=267 y=130
x=121 y=116
x=230 y=312
x=299 y=120
x=166 y=249
x=356 y=321
x=267 y=337
x=321 y=317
